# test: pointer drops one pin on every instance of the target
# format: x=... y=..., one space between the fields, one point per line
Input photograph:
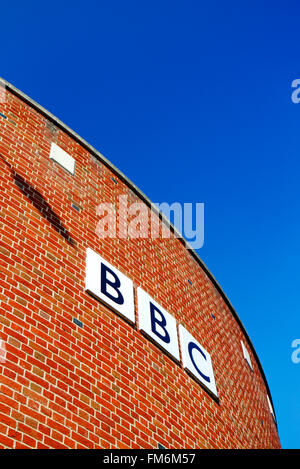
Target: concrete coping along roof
x=147 y=201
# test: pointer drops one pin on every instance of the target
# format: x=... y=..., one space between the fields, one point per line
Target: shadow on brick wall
x=39 y=202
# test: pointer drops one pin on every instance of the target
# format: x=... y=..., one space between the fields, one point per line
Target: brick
x=104 y=385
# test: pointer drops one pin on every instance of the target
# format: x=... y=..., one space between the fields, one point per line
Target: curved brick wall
x=99 y=382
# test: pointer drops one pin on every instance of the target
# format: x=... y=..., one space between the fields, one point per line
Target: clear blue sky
x=192 y=101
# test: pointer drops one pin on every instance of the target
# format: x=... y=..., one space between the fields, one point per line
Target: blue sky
x=192 y=101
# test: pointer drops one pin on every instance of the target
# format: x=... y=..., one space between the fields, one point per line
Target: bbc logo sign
x=116 y=290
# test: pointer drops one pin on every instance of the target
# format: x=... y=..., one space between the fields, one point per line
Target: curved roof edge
x=147 y=201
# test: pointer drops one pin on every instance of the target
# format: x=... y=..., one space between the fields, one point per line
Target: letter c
x=191 y=347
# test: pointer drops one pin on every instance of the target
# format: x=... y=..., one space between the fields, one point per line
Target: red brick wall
x=103 y=385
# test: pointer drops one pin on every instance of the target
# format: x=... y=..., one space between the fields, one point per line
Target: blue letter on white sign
x=161 y=322
x=110 y=285
x=197 y=360
x=114 y=284
x=157 y=323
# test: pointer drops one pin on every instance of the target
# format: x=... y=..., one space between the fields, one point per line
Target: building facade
x=109 y=342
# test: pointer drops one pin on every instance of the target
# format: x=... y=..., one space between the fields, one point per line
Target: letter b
x=109 y=285
x=113 y=284
x=157 y=323
x=165 y=337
